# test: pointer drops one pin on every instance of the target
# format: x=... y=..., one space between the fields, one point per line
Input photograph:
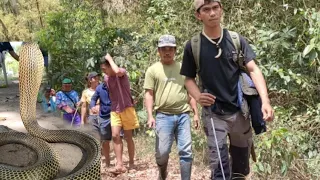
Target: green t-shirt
x=170 y=95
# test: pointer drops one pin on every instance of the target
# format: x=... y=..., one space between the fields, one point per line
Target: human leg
x=165 y=125
x=131 y=149
x=221 y=128
x=183 y=137
x=116 y=126
x=129 y=123
x=105 y=136
x=240 y=146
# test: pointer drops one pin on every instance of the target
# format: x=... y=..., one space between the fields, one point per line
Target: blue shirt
x=64 y=100
x=49 y=106
x=102 y=93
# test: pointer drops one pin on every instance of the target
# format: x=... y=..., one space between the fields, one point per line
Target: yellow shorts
x=126 y=119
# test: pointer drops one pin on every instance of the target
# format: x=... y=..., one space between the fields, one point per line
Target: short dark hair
x=104 y=61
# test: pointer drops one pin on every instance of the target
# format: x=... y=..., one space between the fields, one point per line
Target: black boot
x=162 y=171
x=240 y=162
x=185 y=169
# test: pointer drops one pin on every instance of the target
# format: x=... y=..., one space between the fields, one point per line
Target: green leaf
x=313 y=55
x=268 y=168
x=268 y=144
x=307 y=49
x=260 y=167
x=284 y=168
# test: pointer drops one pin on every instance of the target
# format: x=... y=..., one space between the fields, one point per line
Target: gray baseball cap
x=92 y=75
x=167 y=41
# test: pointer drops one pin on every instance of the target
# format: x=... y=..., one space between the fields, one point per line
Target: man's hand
x=95 y=109
x=196 y=121
x=151 y=122
x=206 y=99
x=108 y=57
x=267 y=111
x=78 y=103
x=52 y=92
x=68 y=109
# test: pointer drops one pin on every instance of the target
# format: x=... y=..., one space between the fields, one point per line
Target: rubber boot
x=162 y=171
x=240 y=162
x=185 y=170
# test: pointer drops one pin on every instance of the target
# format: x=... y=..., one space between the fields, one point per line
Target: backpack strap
x=72 y=100
x=195 y=46
x=235 y=40
x=240 y=56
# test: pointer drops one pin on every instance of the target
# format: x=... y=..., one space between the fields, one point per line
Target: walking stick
x=215 y=137
x=74 y=115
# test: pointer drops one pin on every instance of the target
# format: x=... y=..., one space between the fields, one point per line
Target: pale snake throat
x=31 y=65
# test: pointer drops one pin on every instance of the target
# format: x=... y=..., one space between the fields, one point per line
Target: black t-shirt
x=5 y=46
x=219 y=75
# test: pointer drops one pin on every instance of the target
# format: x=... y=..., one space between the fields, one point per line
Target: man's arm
x=62 y=105
x=149 y=84
x=149 y=107
x=205 y=99
x=192 y=88
x=14 y=55
x=83 y=108
x=114 y=67
x=193 y=104
x=258 y=80
x=260 y=84
x=149 y=102
x=94 y=98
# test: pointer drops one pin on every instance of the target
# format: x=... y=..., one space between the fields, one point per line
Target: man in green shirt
x=164 y=88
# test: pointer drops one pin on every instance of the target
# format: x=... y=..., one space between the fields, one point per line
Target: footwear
x=163 y=171
x=240 y=162
x=185 y=170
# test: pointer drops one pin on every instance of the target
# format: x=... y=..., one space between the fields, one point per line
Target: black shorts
x=103 y=126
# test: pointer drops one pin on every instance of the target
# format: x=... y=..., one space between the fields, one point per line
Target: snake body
x=47 y=165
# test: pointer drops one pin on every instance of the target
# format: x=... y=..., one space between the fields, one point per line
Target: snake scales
x=47 y=165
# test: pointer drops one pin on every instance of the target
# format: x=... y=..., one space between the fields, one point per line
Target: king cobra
x=31 y=65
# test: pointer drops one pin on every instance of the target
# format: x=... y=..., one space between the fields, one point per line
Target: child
x=123 y=114
x=92 y=83
x=49 y=100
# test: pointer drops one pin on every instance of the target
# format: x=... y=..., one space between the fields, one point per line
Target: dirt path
x=70 y=155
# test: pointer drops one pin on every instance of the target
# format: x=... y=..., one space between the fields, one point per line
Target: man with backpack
x=227 y=74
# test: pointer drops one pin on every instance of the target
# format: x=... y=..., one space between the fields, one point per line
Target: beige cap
x=199 y=3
